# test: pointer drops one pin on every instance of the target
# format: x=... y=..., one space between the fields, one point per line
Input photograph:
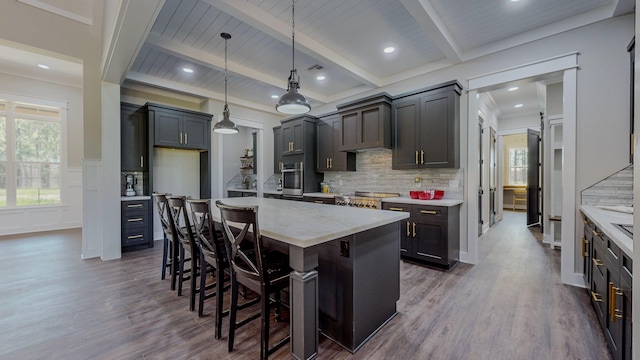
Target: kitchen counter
x=322 y=195
x=406 y=200
x=334 y=250
x=604 y=220
x=243 y=190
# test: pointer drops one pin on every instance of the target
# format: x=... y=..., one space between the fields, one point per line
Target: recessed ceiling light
x=518 y=105
x=513 y=88
x=320 y=77
x=515 y=0
x=389 y=50
x=44 y=66
x=274 y=96
x=187 y=70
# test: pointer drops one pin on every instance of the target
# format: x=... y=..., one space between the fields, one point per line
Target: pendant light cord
x=293 y=36
x=225 y=72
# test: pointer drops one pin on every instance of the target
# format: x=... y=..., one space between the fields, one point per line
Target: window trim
x=510 y=167
x=13 y=99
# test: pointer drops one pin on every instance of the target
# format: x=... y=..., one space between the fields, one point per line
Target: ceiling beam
x=272 y=26
x=206 y=59
x=427 y=17
x=196 y=91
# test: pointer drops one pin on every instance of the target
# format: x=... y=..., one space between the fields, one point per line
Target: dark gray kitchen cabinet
x=277 y=150
x=271 y=196
x=133 y=138
x=137 y=224
x=293 y=136
x=431 y=235
x=329 y=157
x=319 y=200
x=631 y=48
x=426 y=128
x=180 y=129
x=610 y=290
x=365 y=123
x=587 y=244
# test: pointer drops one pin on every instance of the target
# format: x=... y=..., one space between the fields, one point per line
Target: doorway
x=564 y=67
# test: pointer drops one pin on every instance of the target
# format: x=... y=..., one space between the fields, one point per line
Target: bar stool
x=170 y=247
x=212 y=253
x=184 y=234
x=262 y=271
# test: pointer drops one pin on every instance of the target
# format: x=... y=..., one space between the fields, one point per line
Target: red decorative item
x=415 y=194
x=425 y=195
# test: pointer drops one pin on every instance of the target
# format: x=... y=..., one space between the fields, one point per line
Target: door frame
x=565 y=65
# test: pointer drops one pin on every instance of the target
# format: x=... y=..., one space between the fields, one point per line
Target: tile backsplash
x=374 y=173
x=617 y=189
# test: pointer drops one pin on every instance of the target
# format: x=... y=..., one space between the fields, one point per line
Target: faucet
x=245 y=181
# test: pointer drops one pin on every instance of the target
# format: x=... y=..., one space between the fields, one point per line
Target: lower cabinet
x=610 y=276
x=431 y=235
x=271 y=196
x=137 y=225
x=320 y=200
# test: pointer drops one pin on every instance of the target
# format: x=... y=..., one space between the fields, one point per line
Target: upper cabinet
x=180 y=129
x=298 y=135
x=365 y=123
x=329 y=157
x=426 y=128
x=631 y=48
x=133 y=138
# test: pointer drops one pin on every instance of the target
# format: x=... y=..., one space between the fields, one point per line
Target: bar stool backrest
x=205 y=233
x=181 y=222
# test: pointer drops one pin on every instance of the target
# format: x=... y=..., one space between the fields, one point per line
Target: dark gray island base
x=346 y=266
x=359 y=281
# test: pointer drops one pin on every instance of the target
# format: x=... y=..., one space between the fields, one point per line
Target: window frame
x=11 y=100
x=511 y=167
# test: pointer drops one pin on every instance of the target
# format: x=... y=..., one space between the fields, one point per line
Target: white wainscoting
x=92 y=200
x=46 y=218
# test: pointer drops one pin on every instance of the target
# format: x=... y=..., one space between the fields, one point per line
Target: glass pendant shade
x=225 y=126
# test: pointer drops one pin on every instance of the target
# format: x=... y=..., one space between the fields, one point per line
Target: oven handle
x=291 y=170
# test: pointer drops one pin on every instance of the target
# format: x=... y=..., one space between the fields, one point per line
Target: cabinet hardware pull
x=134 y=237
x=613 y=293
x=416 y=157
x=422 y=156
x=180 y=138
x=429 y=212
x=414 y=229
x=330 y=163
x=596 y=232
x=597 y=262
x=584 y=247
x=141 y=161
x=134 y=206
x=186 y=137
x=408 y=232
x=134 y=220
x=596 y=297
x=396 y=209
x=318 y=202
x=281 y=165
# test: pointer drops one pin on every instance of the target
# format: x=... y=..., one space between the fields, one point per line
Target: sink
x=627 y=229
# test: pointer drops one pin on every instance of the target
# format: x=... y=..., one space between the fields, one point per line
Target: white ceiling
x=344 y=37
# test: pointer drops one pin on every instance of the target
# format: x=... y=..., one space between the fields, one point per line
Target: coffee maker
x=130 y=180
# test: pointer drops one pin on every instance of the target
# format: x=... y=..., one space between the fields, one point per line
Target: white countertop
x=243 y=190
x=322 y=195
x=130 y=198
x=305 y=224
x=604 y=220
x=406 y=200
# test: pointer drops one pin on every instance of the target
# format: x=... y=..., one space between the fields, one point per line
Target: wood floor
x=511 y=305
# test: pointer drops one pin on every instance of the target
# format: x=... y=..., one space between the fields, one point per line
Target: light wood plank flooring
x=512 y=305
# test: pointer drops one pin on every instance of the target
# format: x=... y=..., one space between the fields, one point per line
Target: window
x=30 y=153
x=517 y=166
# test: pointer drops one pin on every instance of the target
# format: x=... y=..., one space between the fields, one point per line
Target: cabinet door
x=349 y=130
x=431 y=242
x=626 y=280
x=293 y=138
x=371 y=131
x=406 y=228
x=406 y=117
x=195 y=132
x=587 y=244
x=277 y=150
x=599 y=290
x=325 y=145
x=168 y=129
x=437 y=131
x=613 y=318
x=340 y=160
x=133 y=139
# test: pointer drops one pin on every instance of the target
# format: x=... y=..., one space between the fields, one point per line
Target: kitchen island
x=344 y=240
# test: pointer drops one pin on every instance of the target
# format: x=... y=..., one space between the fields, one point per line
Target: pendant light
x=226 y=126
x=293 y=102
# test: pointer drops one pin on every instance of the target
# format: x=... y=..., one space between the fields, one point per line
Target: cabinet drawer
x=133 y=219
x=427 y=213
x=133 y=205
x=396 y=207
x=613 y=250
x=627 y=268
x=135 y=236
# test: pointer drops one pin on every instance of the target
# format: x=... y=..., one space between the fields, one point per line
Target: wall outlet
x=454 y=183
